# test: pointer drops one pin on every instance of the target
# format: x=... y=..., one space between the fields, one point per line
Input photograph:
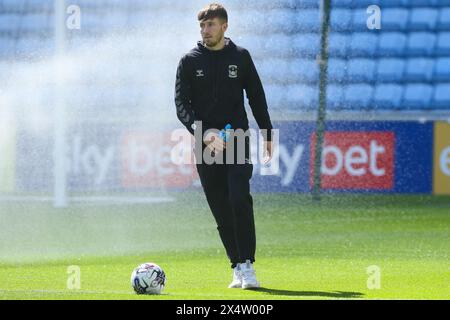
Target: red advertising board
x=150 y=160
x=356 y=160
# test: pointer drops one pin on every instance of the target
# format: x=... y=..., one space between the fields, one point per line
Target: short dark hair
x=211 y=11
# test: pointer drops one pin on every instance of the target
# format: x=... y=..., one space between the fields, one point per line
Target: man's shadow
x=334 y=294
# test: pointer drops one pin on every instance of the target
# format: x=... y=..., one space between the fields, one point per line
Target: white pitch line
x=44 y=291
x=93 y=199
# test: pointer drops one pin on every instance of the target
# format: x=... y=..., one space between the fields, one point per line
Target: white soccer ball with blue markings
x=148 y=278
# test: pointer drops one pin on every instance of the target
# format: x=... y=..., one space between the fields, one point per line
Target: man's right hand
x=214 y=142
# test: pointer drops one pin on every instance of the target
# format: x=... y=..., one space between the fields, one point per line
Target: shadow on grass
x=291 y=293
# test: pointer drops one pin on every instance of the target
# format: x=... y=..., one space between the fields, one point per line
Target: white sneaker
x=248 y=276
x=237 y=278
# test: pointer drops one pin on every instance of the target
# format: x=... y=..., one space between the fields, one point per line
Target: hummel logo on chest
x=200 y=73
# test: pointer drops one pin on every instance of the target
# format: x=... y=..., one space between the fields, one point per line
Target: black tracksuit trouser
x=227 y=190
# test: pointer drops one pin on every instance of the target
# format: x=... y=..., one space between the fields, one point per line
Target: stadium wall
x=363 y=157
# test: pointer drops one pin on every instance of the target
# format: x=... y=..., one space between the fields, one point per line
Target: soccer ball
x=148 y=278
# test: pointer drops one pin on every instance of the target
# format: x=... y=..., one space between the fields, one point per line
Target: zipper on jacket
x=215 y=79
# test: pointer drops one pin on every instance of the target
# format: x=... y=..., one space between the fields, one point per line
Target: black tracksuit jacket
x=209 y=88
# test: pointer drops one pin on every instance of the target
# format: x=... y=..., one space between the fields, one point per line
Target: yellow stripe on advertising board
x=441 y=170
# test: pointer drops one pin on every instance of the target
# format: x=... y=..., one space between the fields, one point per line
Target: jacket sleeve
x=183 y=97
x=256 y=97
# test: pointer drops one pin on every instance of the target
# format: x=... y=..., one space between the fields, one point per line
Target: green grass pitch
x=305 y=250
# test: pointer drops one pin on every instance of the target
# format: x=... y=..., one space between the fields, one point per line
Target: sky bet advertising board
x=369 y=157
x=386 y=157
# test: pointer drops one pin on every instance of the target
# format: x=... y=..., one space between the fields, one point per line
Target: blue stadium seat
x=442 y=69
x=441 y=97
x=300 y=3
x=40 y=6
x=394 y=19
x=419 y=70
x=424 y=3
x=359 y=20
x=365 y=3
x=360 y=70
x=13 y=6
x=284 y=71
x=357 y=96
x=337 y=70
x=338 y=44
x=279 y=20
x=301 y=96
x=392 y=44
x=108 y=4
x=34 y=22
x=247 y=22
x=388 y=96
x=275 y=95
x=9 y=22
x=363 y=44
x=91 y=4
x=391 y=3
x=335 y=95
x=83 y=3
x=341 y=19
x=390 y=70
x=444 y=19
x=291 y=71
x=305 y=70
x=255 y=44
x=268 y=5
x=305 y=44
x=443 y=43
x=277 y=44
x=307 y=20
x=417 y=3
x=442 y=3
x=342 y=3
x=421 y=43
x=417 y=96
x=423 y=19
x=273 y=70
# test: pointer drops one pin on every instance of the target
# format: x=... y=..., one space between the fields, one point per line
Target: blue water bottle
x=225 y=133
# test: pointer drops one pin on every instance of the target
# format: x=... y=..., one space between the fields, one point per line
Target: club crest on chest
x=232 y=71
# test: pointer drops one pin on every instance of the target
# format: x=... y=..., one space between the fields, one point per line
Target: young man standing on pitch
x=209 y=95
